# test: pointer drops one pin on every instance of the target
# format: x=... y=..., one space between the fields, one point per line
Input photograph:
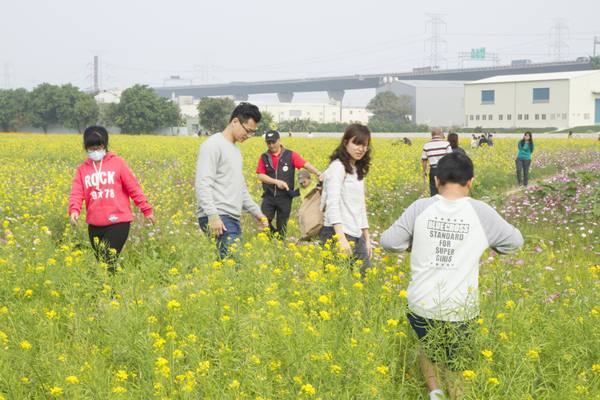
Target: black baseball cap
x=271 y=136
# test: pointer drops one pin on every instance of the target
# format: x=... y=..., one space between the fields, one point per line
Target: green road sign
x=478 y=54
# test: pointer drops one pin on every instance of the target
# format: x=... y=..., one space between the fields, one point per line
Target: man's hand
x=425 y=175
x=282 y=185
x=74 y=218
x=151 y=219
x=261 y=221
x=369 y=248
x=217 y=227
x=345 y=245
x=320 y=176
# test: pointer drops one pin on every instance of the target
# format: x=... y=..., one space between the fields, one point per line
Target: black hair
x=245 y=111
x=530 y=139
x=453 y=140
x=359 y=134
x=95 y=136
x=455 y=168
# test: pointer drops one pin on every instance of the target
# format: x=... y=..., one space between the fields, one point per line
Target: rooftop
x=554 y=76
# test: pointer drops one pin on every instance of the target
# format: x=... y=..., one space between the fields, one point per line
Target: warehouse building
x=561 y=99
x=435 y=103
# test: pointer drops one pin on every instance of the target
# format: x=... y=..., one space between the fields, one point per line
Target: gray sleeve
x=398 y=237
x=502 y=236
x=206 y=173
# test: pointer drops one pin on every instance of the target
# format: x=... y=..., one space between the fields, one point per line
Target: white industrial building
x=561 y=99
x=436 y=103
x=327 y=112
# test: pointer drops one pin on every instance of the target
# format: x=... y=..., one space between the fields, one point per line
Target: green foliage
x=42 y=106
x=12 y=109
x=595 y=62
x=298 y=125
x=140 y=111
x=581 y=129
x=214 y=113
x=395 y=126
x=77 y=109
x=388 y=107
x=331 y=126
x=266 y=123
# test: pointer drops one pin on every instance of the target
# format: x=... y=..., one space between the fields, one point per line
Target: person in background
x=343 y=198
x=220 y=183
x=105 y=182
x=305 y=185
x=474 y=143
x=490 y=140
x=433 y=151
x=446 y=235
x=523 y=160
x=453 y=140
x=570 y=135
x=277 y=171
x=407 y=141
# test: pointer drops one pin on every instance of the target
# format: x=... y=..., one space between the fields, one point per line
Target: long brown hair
x=453 y=140
x=359 y=134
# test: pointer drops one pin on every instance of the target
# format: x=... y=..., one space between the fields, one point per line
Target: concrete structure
x=336 y=85
x=109 y=96
x=435 y=102
x=559 y=99
x=326 y=112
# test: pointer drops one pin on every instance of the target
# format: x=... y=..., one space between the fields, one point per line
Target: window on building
x=477 y=117
x=552 y=116
x=308 y=113
x=543 y=116
x=564 y=116
x=334 y=113
x=320 y=113
x=537 y=116
x=449 y=119
x=586 y=116
x=320 y=119
x=427 y=119
x=487 y=97
x=282 y=113
x=541 y=95
x=527 y=116
x=483 y=117
x=520 y=117
x=295 y=113
x=500 y=117
x=509 y=116
x=490 y=117
x=472 y=116
x=350 y=112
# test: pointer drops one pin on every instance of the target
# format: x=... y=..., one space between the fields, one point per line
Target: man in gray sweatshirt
x=220 y=184
x=447 y=234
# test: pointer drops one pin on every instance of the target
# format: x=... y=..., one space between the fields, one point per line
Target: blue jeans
x=233 y=232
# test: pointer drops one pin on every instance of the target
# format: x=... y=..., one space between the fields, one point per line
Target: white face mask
x=96 y=155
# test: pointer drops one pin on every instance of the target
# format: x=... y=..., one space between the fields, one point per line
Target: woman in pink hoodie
x=105 y=183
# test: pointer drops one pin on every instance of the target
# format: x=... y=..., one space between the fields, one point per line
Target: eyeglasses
x=248 y=131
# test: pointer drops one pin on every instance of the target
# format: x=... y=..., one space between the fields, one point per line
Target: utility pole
x=95 y=74
x=596 y=41
x=436 y=40
x=7 y=75
x=560 y=47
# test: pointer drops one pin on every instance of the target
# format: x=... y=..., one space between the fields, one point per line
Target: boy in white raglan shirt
x=447 y=235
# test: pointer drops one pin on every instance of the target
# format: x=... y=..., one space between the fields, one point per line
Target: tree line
x=139 y=111
x=389 y=115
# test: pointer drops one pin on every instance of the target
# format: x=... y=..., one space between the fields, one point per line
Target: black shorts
x=444 y=342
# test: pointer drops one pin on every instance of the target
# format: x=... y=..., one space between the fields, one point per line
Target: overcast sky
x=148 y=41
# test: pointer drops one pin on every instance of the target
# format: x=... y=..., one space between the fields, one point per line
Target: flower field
x=293 y=321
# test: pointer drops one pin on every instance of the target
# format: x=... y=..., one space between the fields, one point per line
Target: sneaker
x=519 y=186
